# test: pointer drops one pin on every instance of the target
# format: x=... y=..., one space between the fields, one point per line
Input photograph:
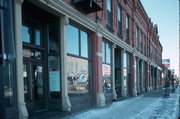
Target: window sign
x=54 y=81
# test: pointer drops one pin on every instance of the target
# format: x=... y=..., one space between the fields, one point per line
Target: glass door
x=34 y=86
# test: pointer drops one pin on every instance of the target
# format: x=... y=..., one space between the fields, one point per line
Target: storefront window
x=106 y=67
x=77 y=61
x=78 y=76
x=31 y=33
x=8 y=85
x=84 y=44
x=72 y=40
x=54 y=62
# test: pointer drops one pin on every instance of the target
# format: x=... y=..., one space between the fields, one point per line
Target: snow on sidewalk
x=163 y=108
x=141 y=107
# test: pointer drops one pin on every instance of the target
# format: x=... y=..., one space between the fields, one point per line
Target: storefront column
x=123 y=80
x=23 y=114
x=148 y=77
x=113 y=73
x=133 y=75
x=97 y=68
x=66 y=105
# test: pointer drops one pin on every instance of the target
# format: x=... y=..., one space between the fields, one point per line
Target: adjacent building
x=75 y=54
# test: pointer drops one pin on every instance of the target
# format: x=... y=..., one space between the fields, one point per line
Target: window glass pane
x=103 y=51
x=72 y=40
x=106 y=70
x=8 y=85
x=119 y=14
x=37 y=36
x=127 y=22
x=54 y=76
x=108 y=53
x=109 y=5
x=53 y=43
x=84 y=44
x=25 y=34
x=125 y=60
x=78 y=75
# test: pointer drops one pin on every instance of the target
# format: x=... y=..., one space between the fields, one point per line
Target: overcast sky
x=165 y=13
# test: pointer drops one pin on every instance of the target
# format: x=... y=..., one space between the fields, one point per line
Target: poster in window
x=54 y=81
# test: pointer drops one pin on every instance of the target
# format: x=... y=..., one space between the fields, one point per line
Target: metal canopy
x=89 y=6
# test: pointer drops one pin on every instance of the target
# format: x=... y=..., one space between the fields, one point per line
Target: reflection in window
x=54 y=61
x=106 y=67
x=78 y=76
x=84 y=44
x=72 y=40
x=25 y=34
x=106 y=70
x=38 y=82
x=8 y=85
x=37 y=36
x=103 y=52
x=108 y=53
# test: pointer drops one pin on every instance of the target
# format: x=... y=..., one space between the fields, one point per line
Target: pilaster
x=97 y=67
x=66 y=105
x=23 y=114
x=123 y=80
x=133 y=75
x=113 y=72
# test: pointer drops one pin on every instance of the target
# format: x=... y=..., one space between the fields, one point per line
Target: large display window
x=78 y=61
x=106 y=67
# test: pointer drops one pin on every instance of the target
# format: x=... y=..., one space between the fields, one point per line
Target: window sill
x=120 y=35
x=110 y=28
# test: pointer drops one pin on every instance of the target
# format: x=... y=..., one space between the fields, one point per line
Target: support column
x=113 y=73
x=123 y=91
x=97 y=68
x=133 y=75
x=66 y=105
x=23 y=114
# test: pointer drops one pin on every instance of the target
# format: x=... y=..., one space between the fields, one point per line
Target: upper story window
x=119 y=21
x=137 y=37
x=127 y=28
x=141 y=41
x=109 y=13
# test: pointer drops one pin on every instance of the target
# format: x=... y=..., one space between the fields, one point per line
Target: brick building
x=75 y=54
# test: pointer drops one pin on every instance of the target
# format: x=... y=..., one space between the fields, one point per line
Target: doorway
x=34 y=85
x=118 y=72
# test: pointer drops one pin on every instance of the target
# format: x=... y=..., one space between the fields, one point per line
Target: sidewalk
x=148 y=106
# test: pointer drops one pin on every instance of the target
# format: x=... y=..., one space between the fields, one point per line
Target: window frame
x=127 y=28
x=109 y=15
x=88 y=58
x=119 y=12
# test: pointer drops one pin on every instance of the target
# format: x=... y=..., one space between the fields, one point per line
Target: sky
x=165 y=13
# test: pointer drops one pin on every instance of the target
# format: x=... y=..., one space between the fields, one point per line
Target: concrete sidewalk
x=152 y=105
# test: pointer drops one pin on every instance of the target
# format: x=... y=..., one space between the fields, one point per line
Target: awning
x=88 y=6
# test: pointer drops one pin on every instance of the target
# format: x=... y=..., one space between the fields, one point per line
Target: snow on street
x=148 y=106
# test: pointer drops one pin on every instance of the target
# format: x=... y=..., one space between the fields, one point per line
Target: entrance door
x=34 y=86
x=118 y=72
